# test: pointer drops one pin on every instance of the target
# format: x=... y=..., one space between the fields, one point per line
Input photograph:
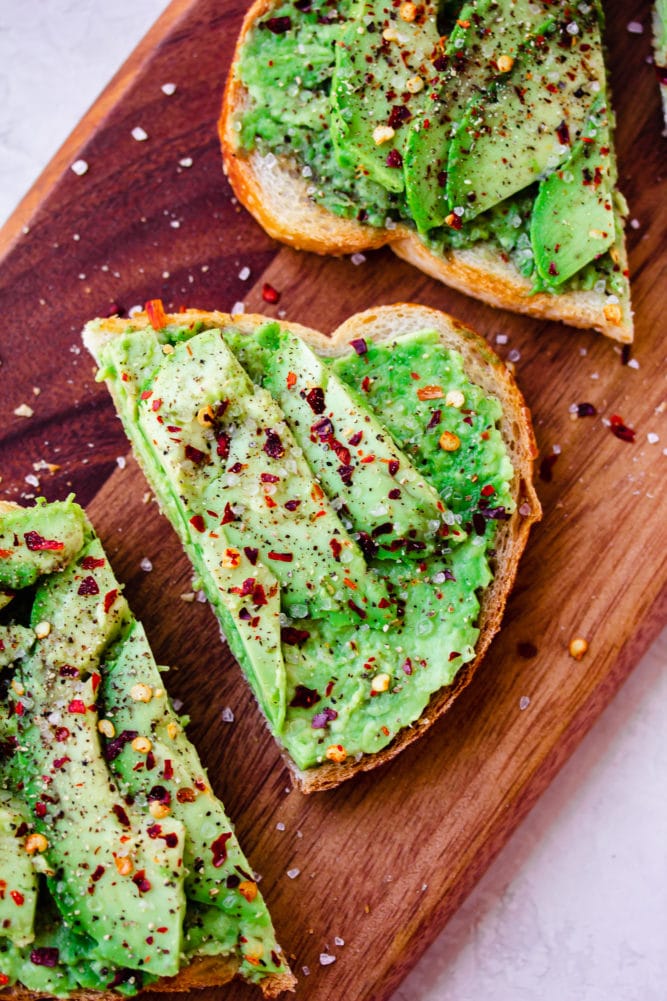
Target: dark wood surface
x=384 y=860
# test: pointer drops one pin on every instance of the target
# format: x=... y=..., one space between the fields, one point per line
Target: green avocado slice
x=18 y=882
x=524 y=125
x=573 y=217
x=54 y=535
x=363 y=472
x=218 y=874
x=108 y=877
x=485 y=32
x=380 y=83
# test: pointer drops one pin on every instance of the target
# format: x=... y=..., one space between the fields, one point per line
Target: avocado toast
x=473 y=138
x=119 y=868
x=355 y=507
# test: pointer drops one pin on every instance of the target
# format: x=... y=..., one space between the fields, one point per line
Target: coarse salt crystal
x=175 y=224
x=326 y=959
x=24 y=410
x=635 y=27
x=146 y=565
x=79 y=167
x=139 y=134
x=32 y=480
x=238 y=307
x=293 y=873
x=635 y=224
x=227 y=715
x=185 y=161
x=652 y=438
x=121 y=461
x=339 y=941
x=357 y=259
x=280 y=826
x=501 y=338
x=524 y=702
x=305 y=970
x=201 y=597
x=168 y=89
x=633 y=363
x=177 y=704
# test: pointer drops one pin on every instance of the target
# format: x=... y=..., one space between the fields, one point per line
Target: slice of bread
x=275 y=191
x=483 y=368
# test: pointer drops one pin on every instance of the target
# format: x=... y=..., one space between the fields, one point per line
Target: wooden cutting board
x=386 y=859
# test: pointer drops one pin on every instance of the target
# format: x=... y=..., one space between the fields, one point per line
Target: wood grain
x=387 y=859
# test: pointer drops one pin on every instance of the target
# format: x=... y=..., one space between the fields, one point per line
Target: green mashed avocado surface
x=340 y=683
x=287 y=64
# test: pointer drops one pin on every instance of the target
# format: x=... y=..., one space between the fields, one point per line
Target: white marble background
x=575 y=907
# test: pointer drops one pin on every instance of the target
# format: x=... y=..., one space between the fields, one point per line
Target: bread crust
x=484 y=368
x=275 y=193
x=202 y=972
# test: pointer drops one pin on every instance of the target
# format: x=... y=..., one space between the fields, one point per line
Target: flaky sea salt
x=146 y=565
x=185 y=161
x=357 y=259
x=139 y=134
x=524 y=702
x=635 y=27
x=227 y=715
x=121 y=461
x=501 y=338
x=652 y=438
x=326 y=959
x=168 y=89
x=293 y=873
x=244 y=274
x=238 y=307
x=280 y=826
x=79 y=167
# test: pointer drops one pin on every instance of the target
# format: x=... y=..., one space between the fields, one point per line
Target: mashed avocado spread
x=332 y=88
x=340 y=514
x=118 y=865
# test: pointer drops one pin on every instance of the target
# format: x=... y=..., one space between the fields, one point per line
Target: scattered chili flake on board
x=621 y=430
x=269 y=293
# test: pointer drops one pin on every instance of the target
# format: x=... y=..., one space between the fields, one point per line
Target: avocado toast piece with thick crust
x=122 y=861
x=350 y=676
x=340 y=153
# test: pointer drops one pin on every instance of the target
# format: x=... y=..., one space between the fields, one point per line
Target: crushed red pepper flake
x=269 y=293
x=156 y=314
x=88 y=587
x=37 y=543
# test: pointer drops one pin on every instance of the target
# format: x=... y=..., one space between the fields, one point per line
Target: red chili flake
x=322 y=719
x=356 y=438
x=278 y=25
x=198 y=523
x=346 y=472
x=97 y=875
x=488 y=490
x=546 y=467
x=430 y=393
x=293 y=636
x=436 y=417
x=59 y=763
x=4 y=979
x=37 y=543
x=453 y=655
x=17 y=897
x=394 y=158
x=305 y=698
x=40 y=809
x=140 y=881
x=156 y=404
x=158 y=794
x=19 y=709
x=259 y=596
x=114 y=747
x=269 y=293
x=291 y=380
x=269 y=501
x=394 y=494
x=77 y=706
x=109 y=598
x=336 y=548
x=292 y=505
x=407 y=666
x=273 y=446
x=228 y=515
x=195 y=455
x=553 y=270
x=156 y=314
x=88 y=587
x=366 y=383
x=45 y=956
x=62 y=733
x=92 y=563
x=355 y=608
x=121 y=815
x=168 y=769
x=621 y=430
x=315 y=400
x=95 y=679
x=146 y=395
x=251 y=554
x=563 y=134
x=359 y=344
x=150 y=761
x=399 y=114
x=219 y=850
x=393 y=466
x=586 y=410
x=173 y=428
x=280 y=557
x=222 y=444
